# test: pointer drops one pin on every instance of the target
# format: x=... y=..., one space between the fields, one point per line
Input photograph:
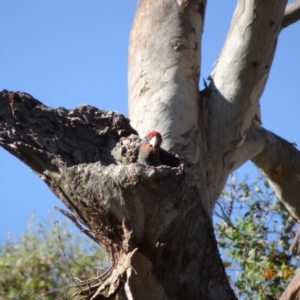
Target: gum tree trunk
x=155 y=222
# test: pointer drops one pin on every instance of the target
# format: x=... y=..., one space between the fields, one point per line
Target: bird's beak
x=154 y=141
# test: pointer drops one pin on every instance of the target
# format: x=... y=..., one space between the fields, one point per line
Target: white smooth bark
x=155 y=222
x=280 y=162
x=238 y=81
x=163 y=73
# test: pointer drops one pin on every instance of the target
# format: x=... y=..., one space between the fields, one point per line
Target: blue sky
x=67 y=53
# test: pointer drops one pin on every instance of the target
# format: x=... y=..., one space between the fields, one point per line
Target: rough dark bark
x=151 y=221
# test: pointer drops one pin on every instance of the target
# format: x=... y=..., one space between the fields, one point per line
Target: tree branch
x=252 y=145
x=163 y=72
x=291 y=14
x=70 y=216
x=280 y=162
x=242 y=70
x=239 y=79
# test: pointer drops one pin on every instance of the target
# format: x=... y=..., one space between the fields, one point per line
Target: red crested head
x=154 y=138
x=149 y=152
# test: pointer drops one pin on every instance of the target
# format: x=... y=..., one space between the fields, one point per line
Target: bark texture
x=164 y=60
x=151 y=221
x=228 y=131
x=293 y=290
x=155 y=222
x=292 y=13
x=238 y=81
x=280 y=162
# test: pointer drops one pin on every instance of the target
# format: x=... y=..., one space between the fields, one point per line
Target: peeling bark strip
x=151 y=221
